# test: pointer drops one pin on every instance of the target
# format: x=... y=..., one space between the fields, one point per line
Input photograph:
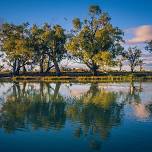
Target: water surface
x=59 y=117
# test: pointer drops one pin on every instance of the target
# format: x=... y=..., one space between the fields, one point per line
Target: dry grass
x=82 y=78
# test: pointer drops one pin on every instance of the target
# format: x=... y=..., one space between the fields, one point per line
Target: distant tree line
x=94 y=42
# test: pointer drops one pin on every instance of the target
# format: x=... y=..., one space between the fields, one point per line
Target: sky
x=134 y=17
x=125 y=13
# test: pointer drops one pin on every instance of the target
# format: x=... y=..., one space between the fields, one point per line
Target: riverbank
x=82 y=78
x=79 y=77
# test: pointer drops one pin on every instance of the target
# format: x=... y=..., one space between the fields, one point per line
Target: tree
x=1 y=67
x=149 y=46
x=39 y=45
x=1 y=64
x=133 y=56
x=56 y=50
x=94 y=36
x=15 y=43
x=49 y=46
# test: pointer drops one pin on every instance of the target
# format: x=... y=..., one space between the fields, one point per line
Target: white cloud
x=140 y=34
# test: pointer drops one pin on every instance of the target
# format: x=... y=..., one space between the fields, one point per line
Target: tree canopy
x=48 y=45
x=95 y=40
x=133 y=56
x=16 y=44
x=43 y=46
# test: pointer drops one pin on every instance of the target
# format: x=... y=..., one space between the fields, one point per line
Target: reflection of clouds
x=4 y=92
x=115 y=87
x=76 y=90
x=140 y=111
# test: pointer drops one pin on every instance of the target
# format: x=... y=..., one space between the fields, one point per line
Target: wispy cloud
x=139 y=34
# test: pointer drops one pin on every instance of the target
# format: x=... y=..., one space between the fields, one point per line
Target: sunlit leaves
x=95 y=36
x=76 y=23
x=94 y=10
x=15 y=42
x=103 y=58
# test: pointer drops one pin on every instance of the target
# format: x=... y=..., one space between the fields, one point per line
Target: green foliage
x=36 y=45
x=94 y=10
x=48 y=45
x=16 y=45
x=76 y=23
x=94 y=36
x=93 y=41
x=105 y=59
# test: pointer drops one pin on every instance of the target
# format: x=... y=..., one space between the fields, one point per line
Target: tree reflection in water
x=95 y=112
x=41 y=110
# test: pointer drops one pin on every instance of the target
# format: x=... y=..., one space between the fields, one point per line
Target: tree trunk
x=24 y=69
x=49 y=68
x=132 y=69
x=58 y=72
x=41 y=66
x=94 y=70
x=17 y=72
x=141 y=68
x=14 y=67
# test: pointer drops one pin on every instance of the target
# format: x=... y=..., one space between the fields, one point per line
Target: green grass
x=82 y=78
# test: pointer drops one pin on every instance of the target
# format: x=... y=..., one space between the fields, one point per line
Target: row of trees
x=43 y=46
x=94 y=42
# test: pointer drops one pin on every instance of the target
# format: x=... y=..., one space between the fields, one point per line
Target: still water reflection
x=75 y=117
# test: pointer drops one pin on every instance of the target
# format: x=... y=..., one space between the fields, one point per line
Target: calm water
x=49 y=117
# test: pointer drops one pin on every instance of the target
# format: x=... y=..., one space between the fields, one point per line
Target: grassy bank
x=82 y=78
x=79 y=77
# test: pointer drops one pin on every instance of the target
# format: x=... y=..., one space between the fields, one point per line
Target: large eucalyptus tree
x=95 y=40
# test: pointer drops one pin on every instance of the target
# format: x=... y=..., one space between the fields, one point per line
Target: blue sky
x=124 y=13
x=129 y=15
x=133 y=16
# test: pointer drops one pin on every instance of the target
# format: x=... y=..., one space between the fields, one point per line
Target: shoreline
x=81 y=79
